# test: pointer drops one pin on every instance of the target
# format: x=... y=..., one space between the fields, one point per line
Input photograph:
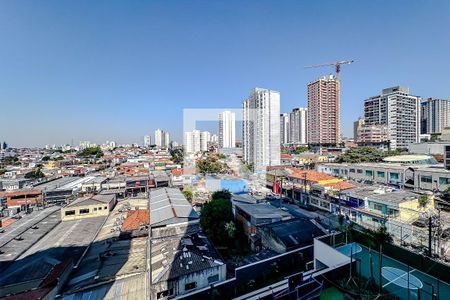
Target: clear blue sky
x=100 y=70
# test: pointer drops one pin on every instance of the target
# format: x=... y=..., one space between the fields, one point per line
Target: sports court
x=396 y=278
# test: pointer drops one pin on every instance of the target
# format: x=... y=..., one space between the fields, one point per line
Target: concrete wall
x=96 y=210
x=200 y=278
x=327 y=255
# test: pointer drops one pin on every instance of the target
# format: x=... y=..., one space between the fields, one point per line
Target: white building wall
x=227 y=129
x=261 y=132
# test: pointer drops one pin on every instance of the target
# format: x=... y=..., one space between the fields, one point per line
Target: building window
x=352 y=170
x=70 y=212
x=106 y=207
x=378 y=207
x=380 y=174
x=100 y=208
x=427 y=179
x=369 y=173
x=393 y=175
x=95 y=208
x=213 y=278
x=443 y=180
x=190 y=286
x=84 y=211
x=393 y=212
x=359 y=171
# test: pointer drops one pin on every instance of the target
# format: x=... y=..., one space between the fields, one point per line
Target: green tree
x=46 y=158
x=364 y=154
x=91 y=151
x=35 y=174
x=230 y=228
x=2 y=171
x=215 y=216
x=188 y=194
x=423 y=201
x=374 y=238
x=177 y=156
x=210 y=166
x=299 y=150
x=222 y=194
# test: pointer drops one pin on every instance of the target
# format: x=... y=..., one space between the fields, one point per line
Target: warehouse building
x=88 y=207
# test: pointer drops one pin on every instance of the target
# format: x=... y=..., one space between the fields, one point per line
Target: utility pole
x=430 y=224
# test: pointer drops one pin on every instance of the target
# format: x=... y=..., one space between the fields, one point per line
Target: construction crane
x=336 y=64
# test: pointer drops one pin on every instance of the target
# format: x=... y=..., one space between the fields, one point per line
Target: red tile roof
x=313 y=176
x=135 y=219
x=177 y=172
x=343 y=185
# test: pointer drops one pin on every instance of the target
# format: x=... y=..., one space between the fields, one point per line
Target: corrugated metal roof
x=167 y=203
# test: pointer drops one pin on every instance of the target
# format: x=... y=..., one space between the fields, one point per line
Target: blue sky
x=98 y=70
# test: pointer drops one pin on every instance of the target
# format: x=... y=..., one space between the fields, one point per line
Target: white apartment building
x=162 y=138
x=227 y=129
x=284 y=129
x=435 y=115
x=261 y=128
x=147 y=141
x=196 y=141
x=205 y=138
x=214 y=138
x=297 y=122
x=399 y=111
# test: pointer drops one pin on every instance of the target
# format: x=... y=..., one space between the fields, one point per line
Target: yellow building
x=88 y=207
x=52 y=164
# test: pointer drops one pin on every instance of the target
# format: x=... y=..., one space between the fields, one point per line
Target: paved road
x=26 y=222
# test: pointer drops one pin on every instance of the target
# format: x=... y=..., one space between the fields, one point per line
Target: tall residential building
x=284 y=129
x=358 y=123
x=196 y=141
x=324 y=112
x=147 y=141
x=298 y=128
x=399 y=111
x=205 y=138
x=261 y=128
x=227 y=129
x=162 y=138
x=214 y=138
x=435 y=115
x=167 y=140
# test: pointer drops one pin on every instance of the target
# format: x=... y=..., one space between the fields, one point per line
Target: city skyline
x=116 y=71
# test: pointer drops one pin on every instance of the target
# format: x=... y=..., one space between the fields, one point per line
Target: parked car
x=420 y=223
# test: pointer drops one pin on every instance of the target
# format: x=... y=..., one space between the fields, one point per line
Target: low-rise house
x=182 y=265
x=288 y=235
x=371 y=205
x=250 y=216
x=22 y=199
x=419 y=172
x=88 y=207
x=176 y=177
x=94 y=185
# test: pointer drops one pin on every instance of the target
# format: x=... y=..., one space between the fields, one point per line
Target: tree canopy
x=365 y=154
x=91 y=151
x=211 y=165
x=177 y=156
x=188 y=194
x=35 y=174
x=216 y=217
